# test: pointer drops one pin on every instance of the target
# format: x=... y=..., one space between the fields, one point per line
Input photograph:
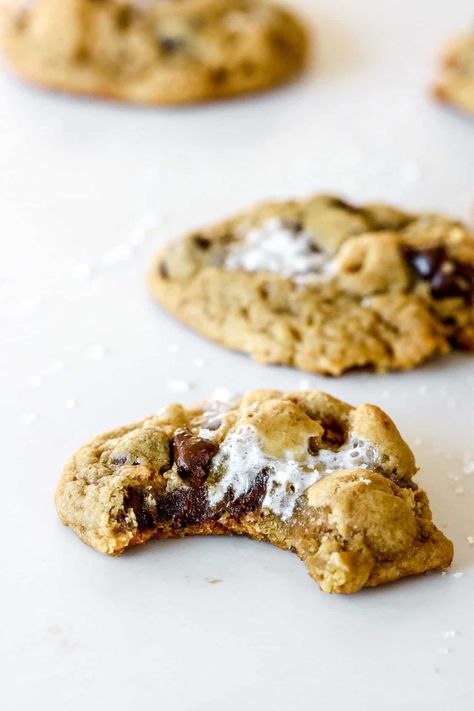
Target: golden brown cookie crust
x=376 y=288
x=153 y=51
x=273 y=466
x=456 y=81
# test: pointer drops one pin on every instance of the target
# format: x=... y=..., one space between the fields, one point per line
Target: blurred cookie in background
x=153 y=51
x=456 y=82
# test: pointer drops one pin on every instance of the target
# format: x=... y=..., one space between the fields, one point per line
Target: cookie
x=325 y=286
x=456 y=82
x=303 y=471
x=153 y=51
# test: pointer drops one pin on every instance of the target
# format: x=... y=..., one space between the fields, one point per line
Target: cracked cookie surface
x=153 y=51
x=325 y=286
x=303 y=471
x=456 y=82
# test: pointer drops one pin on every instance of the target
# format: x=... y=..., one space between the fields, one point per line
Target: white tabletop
x=88 y=191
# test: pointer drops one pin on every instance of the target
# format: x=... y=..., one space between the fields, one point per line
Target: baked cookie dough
x=456 y=83
x=325 y=286
x=153 y=51
x=303 y=471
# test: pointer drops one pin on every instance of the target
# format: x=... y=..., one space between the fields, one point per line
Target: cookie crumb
x=470 y=540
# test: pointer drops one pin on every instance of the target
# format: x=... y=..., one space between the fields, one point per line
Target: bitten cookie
x=303 y=471
x=153 y=51
x=325 y=286
x=456 y=82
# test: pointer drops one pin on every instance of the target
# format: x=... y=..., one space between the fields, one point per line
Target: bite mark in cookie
x=302 y=471
x=325 y=286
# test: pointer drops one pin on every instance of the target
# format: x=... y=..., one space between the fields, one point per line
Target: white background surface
x=88 y=192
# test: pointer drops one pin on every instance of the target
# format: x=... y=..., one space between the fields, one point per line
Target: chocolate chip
x=219 y=75
x=201 y=242
x=184 y=507
x=447 y=277
x=426 y=262
x=252 y=499
x=170 y=45
x=313 y=445
x=334 y=433
x=193 y=456
x=453 y=279
x=163 y=270
x=124 y=17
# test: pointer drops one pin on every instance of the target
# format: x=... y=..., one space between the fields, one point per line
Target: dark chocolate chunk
x=426 y=262
x=170 y=45
x=447 y=277
x=453 y=279
x=193 y=456
x=252 y=499
x=144 y=513
x=201 y=242
x=184 y=507
x=313 y=445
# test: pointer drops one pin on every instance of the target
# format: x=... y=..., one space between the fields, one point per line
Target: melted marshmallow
x=240 y=459
x=275 y=247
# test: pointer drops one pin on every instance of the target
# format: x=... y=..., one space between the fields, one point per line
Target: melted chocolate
x=252 y=499
x=193 y=456
x=187 y=506
x=144 y=513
